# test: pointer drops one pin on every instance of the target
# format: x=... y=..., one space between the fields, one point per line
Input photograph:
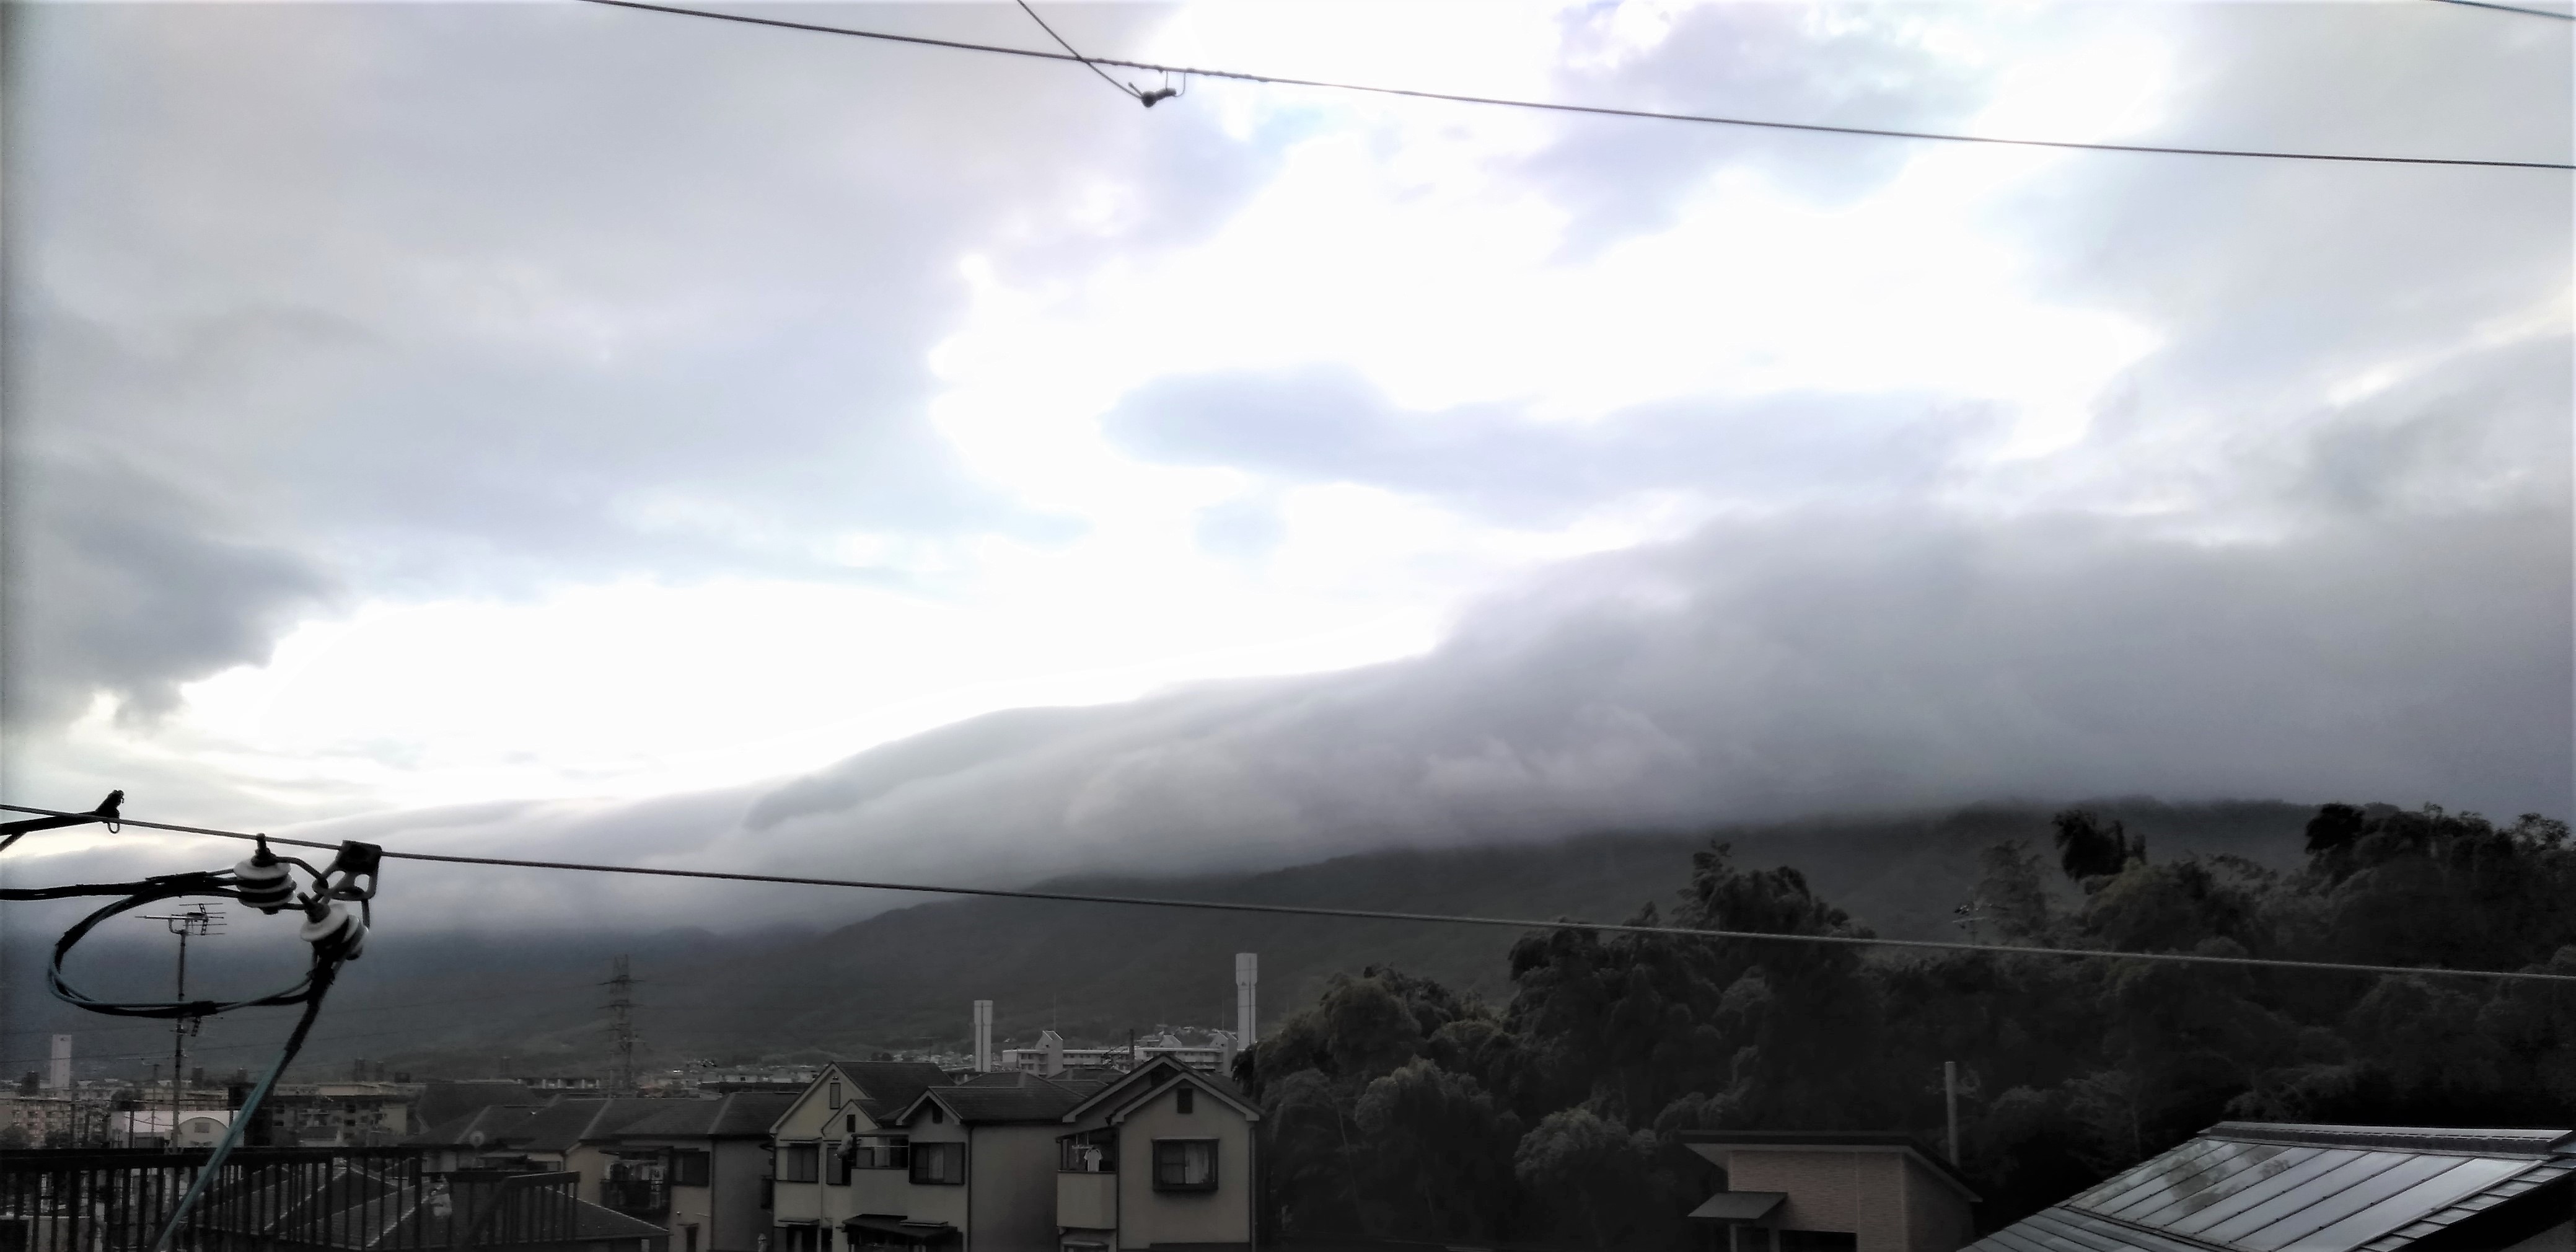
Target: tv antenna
x=191 y=922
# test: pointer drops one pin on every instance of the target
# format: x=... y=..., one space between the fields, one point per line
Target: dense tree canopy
x=1396 y=1108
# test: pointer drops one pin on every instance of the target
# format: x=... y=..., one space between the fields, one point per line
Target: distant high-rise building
x=61 y=1078
x=1247 y=1000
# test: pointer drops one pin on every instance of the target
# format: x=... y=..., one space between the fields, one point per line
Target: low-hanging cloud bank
x=1762 y=669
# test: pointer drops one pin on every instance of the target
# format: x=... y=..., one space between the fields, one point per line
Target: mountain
x=471 y=1004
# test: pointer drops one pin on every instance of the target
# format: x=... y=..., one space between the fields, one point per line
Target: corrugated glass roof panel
x=2150 y=1183
x=2103 y=1233
x=2363 y=1167
x=2281 y=1173
x=2227 y=1169
x=2465 y=1177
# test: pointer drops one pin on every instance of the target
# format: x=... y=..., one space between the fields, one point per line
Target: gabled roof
x=575 y=1120
x=741 y=1115
x=1151 y=1079
x=500 y=1125
x=1021 y=1098
x=2259 y=1187
x=888 y=1087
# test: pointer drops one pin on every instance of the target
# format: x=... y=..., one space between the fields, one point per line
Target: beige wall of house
x=1885 y=1199
x=1086 y=1201
x=1146 y=1216
x=1007 y=1174
x=735 y=1220
x=941 y=1203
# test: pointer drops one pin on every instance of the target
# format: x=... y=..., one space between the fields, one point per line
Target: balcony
x=1086 y=1200
x=636 y=1197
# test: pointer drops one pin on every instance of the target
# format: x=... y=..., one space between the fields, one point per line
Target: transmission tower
x=621 y=1027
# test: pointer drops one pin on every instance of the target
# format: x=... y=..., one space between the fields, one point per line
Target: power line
x=2511 y=8
x=1130 y=92
x=1379 y=915
x=1552 y=106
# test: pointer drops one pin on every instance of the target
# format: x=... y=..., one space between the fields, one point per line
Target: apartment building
x=36 y=1121
x=337 y=1115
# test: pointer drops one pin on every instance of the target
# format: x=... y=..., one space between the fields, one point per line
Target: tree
x=1592 y=1180
x=2088 y=849
x=1439 y=1152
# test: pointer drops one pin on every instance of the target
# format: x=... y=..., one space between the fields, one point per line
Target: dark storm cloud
x=133 y=589
x=1818 y=661
x=455 y=300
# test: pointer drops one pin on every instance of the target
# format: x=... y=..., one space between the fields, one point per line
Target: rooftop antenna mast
x=621 y=1026
x=192 y=921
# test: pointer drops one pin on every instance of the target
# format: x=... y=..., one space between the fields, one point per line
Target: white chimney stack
x=62 y=1069
x=1247 y=981
x=983 y=1036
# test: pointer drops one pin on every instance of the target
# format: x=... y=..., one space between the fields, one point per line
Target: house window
x=832 y=1098
x=1818 y=1241
x=942 y=1164
x=850 y=1124
x=1185 y=1165
x=688 y=1239
x=689 y=1169
x=1187 y=1098
x=796 y=1162
x=879 y=1152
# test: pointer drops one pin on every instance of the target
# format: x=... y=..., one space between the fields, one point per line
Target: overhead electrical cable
x=1130 y=92
x=1186 y=71
x=262 y=881
x=2510 y=8
x=1381 y=915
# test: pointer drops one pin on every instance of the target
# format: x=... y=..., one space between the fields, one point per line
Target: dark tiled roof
x=1036 y=1100
x=888 y=1087
x=742 y=1115
x=2259 y=1187
x=501 y=1125
x=446 y=1101
x=574 y=1120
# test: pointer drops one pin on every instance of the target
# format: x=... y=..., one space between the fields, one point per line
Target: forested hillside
x=1398 y=1106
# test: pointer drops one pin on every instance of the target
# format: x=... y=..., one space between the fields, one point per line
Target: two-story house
x=1160 y=1157
x=839 y=1155
x=696 y=1168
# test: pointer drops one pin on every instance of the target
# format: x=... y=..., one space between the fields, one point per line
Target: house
x=1160 y=1157
x=693 y=1168
x=2271 y=1187
x=1798 y=1191
x=839 y=1155
x=199 y=1129
x=697 y=1168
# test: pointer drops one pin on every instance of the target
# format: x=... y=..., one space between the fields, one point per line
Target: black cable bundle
x=262 y=882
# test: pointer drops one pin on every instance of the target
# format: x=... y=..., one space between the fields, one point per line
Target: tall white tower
x=983 y=1036
x=61 y=1077
x=1247 y=982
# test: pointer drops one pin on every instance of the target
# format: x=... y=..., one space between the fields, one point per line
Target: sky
x=547 y=429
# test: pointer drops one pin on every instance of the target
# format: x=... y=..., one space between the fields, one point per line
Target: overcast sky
x=571 y=429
